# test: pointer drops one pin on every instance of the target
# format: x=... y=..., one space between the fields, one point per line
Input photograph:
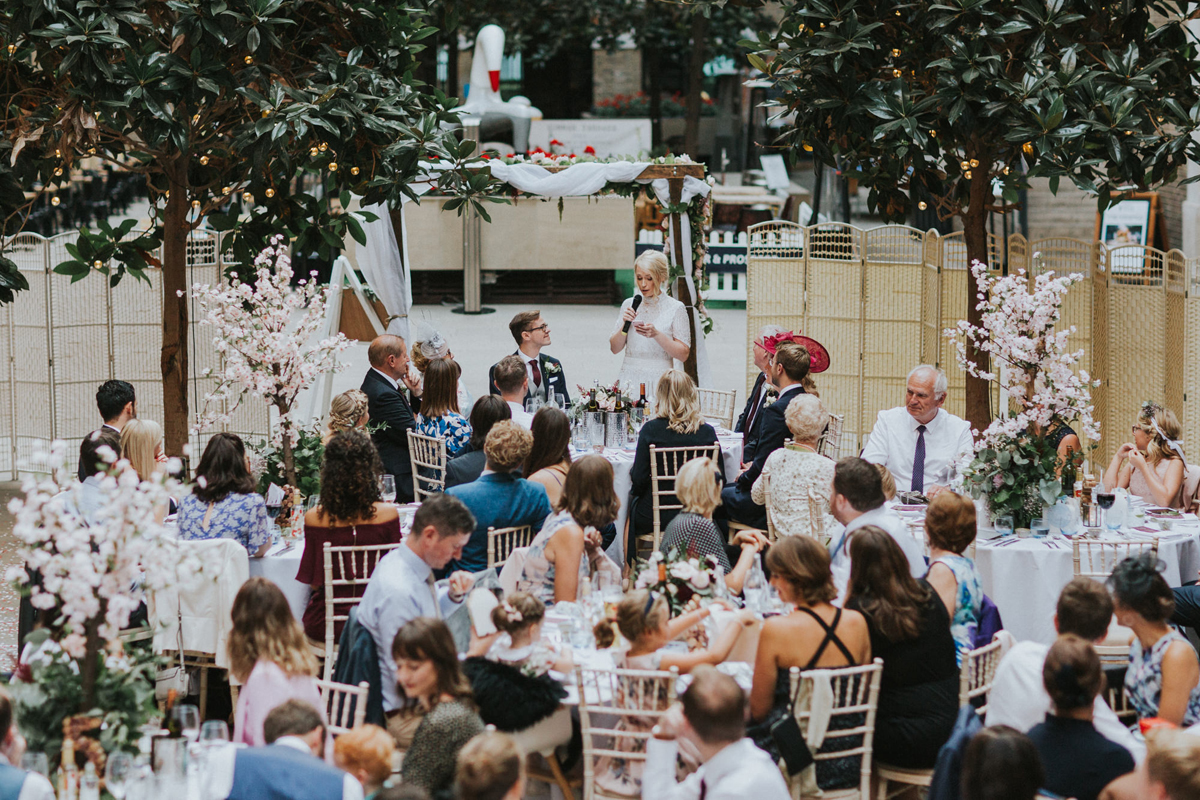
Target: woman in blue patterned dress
x=1163 y=679
x=950 y=526
x=440 y=415
x=223 y=503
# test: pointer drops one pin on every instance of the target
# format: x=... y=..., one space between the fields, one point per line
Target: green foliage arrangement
x=307 y=453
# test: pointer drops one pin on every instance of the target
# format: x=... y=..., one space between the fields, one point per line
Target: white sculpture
x=483 y=94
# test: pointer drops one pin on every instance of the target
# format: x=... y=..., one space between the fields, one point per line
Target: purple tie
x=918 y=475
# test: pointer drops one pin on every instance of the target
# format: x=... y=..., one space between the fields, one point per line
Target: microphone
x=637 y=301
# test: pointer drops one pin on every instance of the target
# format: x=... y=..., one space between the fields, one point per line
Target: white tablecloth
x=622 y=461
x=1024 y=578
x=280 y=565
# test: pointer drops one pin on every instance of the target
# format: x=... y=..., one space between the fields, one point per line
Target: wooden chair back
x=718 y=406
x=1096 y=559
x=978 y=672
x=502 y=541
x=617 y=710
x=427 y=454
x=355 y=564
x=831 y=440
x=345 y=705
x=665 y=463
x=855 y=695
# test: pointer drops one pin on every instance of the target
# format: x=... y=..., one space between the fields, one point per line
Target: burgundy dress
x=312 y=566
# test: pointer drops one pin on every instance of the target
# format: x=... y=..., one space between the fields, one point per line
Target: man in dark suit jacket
x=545 y=374
x=747 y=423
x=470 y=461
x=387 y=403
x=786 y=369
x=117 y=404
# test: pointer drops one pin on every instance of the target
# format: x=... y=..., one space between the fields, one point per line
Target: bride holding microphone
x=653 y=327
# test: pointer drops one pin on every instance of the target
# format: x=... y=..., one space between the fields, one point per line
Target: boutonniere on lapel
x=771 y=397
x=552 y=368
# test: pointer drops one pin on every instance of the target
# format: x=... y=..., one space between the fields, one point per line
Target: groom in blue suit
x=545 y=374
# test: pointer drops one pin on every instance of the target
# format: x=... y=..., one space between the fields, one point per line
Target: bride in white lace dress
x=659 y=334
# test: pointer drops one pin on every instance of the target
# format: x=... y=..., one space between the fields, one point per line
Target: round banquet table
x=1024 y=578
x=622 y=462
x=280 y=565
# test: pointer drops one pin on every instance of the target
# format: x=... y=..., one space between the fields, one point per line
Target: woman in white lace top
x=659 y=335
x=796 y=479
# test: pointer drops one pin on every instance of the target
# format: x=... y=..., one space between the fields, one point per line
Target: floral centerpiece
x=606 y=398
x=263 y=332
x=1014 y=466
x=86 y=578
x=679 y=578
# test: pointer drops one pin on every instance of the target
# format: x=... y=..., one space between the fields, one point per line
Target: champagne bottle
x=68 y=773
x=592 y=405
x=173 y=723
x=641 y=402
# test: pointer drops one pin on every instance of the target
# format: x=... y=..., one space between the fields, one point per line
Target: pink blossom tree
x=263 y=335
x=97 y=572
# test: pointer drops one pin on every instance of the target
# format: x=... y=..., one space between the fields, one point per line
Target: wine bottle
x=641 y=402
x=619 y=404
x=68 y=773
x=173 y=723
x=592 y=405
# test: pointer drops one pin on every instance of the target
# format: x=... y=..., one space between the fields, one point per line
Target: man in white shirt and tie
x=712 y=718
x=856 y=501
x=922 y=444
x=402 y=588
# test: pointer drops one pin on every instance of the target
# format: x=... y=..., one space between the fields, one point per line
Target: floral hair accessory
x=818 y=356
x=434 y=347
x=511 y=612
x=1174 y=444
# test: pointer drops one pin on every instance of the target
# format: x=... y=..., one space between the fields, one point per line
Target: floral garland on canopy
x=1013 y=466
x=262 y=333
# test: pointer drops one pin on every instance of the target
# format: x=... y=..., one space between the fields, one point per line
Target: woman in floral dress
x=440 y=415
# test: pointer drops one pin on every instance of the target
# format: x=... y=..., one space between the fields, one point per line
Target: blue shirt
x=398 y=593
x=452 y=427
x=498 y=500
x=242 y=517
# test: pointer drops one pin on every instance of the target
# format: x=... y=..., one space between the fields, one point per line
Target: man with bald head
x=922 y=444
x=392 y=399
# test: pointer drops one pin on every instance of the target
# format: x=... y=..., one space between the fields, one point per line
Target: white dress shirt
x=35 y=787
x=222 y=759
x=893 y=444
x=520 y=415
x=1018 y=698
x=398 y=593
x=739 y=771
x=887 y=519
x=537 y=389
x=395 y=383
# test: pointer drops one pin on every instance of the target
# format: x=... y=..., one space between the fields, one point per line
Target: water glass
x=387 y=488
x=532 y=404
x=1040 y=528
x=595 y=428
x=558 y=400
x=1004 y=525
x=214 y=731
x=580 y=439
x=117 y=772
x=188 y=717
x=37 y=762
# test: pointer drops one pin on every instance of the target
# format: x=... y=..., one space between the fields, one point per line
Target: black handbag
x=789 y=739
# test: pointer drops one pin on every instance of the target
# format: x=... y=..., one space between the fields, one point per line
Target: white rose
x=701 y=581
x=683 y=571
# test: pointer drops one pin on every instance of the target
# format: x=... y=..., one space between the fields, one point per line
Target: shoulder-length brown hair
x=440 y=396
x=588 y=492
x=880 y=580
x=350 y=473
x=678 y=402
x=428 y=639
x=804 y=564
x=223 y=469
x=551 y=440
x=264 y=628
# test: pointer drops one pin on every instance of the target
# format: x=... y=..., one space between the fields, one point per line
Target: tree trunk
x=91 y=661
x=978 y=398
x=174 y=359
x=691 y=134
x=289 y=459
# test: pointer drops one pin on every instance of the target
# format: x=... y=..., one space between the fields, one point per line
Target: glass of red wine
x=1105 y=500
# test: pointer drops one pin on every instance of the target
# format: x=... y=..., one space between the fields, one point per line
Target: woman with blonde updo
x=490 y=767
x=433 y=347
x=347 y=411
x=519 y=619
x=142 y=446
x=677 y=423
x=644 y=619
x=1152 y=465
x=659 y=333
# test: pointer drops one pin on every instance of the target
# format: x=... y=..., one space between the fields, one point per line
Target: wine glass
x=36 y=762
x=558 y=400
x=214 y=731
x=117 y=772
x=531 y=405
x=387 y=488
x=188 y=717
x=1105 y=500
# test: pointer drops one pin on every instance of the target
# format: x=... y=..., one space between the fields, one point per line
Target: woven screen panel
x=1101 y=368
x=775 y=255
x=30 y=329
x=1174 y=344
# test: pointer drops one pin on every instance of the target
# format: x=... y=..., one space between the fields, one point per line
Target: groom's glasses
x=542 y=327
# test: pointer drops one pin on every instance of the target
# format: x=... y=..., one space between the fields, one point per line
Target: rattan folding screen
x=60 y=340
x=880 y=299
